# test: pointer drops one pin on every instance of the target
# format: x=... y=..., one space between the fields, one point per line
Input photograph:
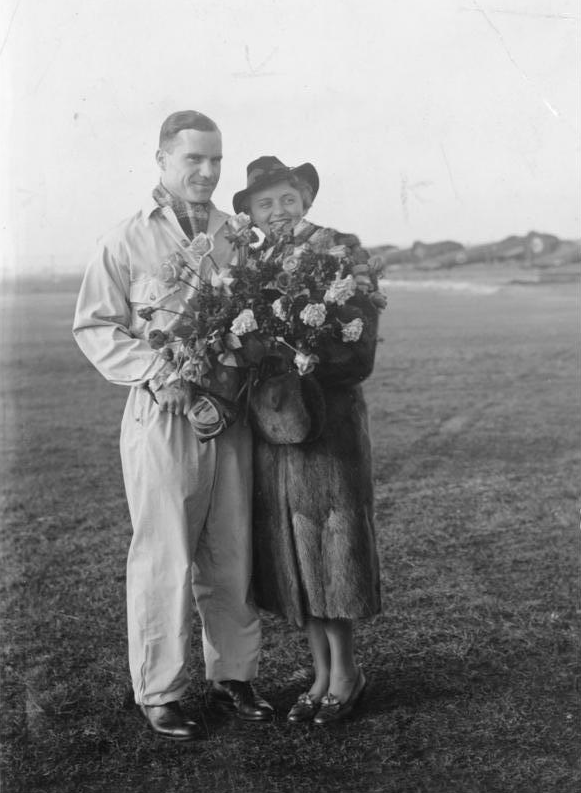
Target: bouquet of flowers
x=279 y=298
x=285 y=297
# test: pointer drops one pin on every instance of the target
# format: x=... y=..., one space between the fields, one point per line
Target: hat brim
x=306 y=171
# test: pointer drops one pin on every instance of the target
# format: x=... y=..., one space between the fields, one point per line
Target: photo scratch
x=10 y=23
x=534 y=14
x=256 y=71
x=449 y=171
x=553 y=110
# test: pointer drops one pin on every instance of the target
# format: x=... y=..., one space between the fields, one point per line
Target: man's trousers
x=190 y=506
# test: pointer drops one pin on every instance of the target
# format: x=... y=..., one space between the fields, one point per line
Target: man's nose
x=277 y=209
x=206 y=169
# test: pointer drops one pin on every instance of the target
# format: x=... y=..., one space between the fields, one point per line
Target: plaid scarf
x=193 y=218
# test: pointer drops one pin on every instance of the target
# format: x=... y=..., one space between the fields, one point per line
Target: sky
x=426 y=119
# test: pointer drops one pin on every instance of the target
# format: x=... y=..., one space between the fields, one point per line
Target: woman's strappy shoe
x=304 y=709
x=333 y=710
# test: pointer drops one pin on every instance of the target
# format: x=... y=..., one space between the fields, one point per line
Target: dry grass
x=472 y=664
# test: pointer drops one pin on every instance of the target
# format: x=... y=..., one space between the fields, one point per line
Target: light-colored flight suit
x=190 y=503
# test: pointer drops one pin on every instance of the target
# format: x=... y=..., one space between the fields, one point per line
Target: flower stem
x=211 y=258
x=188 y=283
x=177 y=313
x=282 y=341
x=191 y=269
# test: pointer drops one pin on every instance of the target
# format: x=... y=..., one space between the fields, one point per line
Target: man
x=189 y=501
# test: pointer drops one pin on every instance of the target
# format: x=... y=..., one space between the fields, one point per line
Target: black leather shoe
x=333 y=710
x=170 y=721
x=304 y=709
x=239 y=697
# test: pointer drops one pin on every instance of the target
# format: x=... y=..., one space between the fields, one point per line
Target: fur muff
x=314 y=537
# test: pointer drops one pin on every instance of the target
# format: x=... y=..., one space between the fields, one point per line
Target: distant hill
x=536 y=249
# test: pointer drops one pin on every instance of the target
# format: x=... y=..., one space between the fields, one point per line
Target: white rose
x=244 y=323
x=314 y=314
x=352 y=330
x=340 y=290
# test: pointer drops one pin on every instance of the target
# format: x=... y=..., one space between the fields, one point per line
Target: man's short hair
x=184 y=119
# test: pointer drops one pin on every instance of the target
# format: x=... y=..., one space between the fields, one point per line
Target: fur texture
x=314 y=537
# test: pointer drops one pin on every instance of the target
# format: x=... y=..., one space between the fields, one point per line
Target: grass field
x=475 y=412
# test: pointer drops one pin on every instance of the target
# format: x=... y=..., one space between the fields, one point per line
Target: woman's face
x=276 y=209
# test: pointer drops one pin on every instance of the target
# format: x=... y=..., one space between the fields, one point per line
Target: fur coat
x=314 y=538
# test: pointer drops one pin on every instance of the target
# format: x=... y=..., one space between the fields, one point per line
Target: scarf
x=193 y=218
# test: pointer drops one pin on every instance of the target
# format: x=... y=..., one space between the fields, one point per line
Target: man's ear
x=160 y=158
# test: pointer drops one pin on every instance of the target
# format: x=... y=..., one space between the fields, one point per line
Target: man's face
x=191 y=169
x=276 y=209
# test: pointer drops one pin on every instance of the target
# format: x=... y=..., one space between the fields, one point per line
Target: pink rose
x=201 y=245
x=290 y=264
x=170 y=270
x=157 y=339
x=239 y=222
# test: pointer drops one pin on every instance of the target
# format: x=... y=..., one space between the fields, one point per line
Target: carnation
x=314 y=314
x=352 y=330
x=340 y=290
x=244 y=323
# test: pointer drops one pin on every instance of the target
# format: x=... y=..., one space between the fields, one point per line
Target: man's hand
x=175 y=398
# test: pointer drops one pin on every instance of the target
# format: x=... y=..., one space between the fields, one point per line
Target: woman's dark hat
x=266 y=171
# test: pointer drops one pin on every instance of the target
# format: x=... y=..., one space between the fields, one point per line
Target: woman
x=315 y=560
